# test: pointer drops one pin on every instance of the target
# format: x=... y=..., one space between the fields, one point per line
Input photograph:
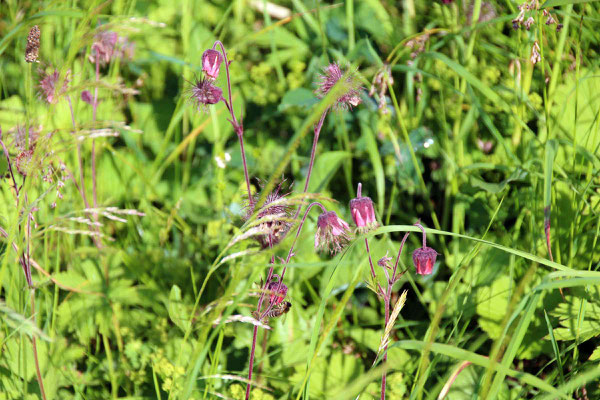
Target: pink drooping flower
x=103 y=47
x=211 y=63
x=50 y=88
x=363 y=213
x=424 y=259
x=348 y=95
x=277 y=292
x=333 y=233
x=204 y=93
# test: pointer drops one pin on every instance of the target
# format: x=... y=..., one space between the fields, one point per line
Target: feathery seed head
x=333 y=233
x=349 y=94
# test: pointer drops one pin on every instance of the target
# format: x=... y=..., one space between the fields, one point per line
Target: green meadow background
x=144 y=296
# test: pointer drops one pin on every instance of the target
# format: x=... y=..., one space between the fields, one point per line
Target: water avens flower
x=363 y=213
x=204 y=93
x=25 y=163
x=211 y=63
x=87 y=97
x=277 y=292
x=104 y=46
x=349 y=94
x=333 y=233
x=424 y=259
x=48 y=86
x=277 y=214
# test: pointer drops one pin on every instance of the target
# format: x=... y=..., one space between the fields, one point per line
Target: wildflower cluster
x=527 y=14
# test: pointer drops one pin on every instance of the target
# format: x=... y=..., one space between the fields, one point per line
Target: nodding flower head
x=276 y=291
x=277 y=214
x=203 y=93
x=48 y=86
x=211 y=63
x=349 y=93
x=25 y=162
x=363 y=213
x=424 y=259
x=103 y=47
x=333 y=233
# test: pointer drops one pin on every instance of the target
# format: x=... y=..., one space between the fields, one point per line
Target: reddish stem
x=370 y=260
x=237 y=127
x=313 y=153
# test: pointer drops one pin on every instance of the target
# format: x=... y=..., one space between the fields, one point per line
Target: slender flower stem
x=258 y=308
x=313 y=152
x=370 y=259
x=95 y=107
x=35 y=353
x=394 y=278
x=237 y=127
x=248 y=385
x=387 y=318
x=79 y=158
x=81 y=188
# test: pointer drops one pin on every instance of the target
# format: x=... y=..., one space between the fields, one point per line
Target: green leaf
x=300 y=97
x=177 y=311
x=492 y=304
x=477 y=359
x=326 y=165
x=557 y=3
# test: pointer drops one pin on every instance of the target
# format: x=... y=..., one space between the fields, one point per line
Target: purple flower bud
x=333 y=233
x=211 y=62
x=424 y=259
x=363 y=213
x=277 y=292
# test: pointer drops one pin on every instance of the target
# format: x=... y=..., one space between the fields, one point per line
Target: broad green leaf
x=492 y=304
x=177 y=310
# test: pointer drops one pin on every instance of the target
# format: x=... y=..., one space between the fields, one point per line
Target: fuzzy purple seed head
x=424 y=259
x=277 y=214
x=333 y=233
x=48 y=86
x=277 y=292
x=103 y=47
x=211 y=63
x=204 y=93
x=349 y=94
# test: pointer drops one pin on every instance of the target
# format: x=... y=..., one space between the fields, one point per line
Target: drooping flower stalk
x=276 y=291
x=237 y=126
x=348 y=97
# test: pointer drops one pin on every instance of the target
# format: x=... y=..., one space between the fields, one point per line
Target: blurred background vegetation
x=462 y=132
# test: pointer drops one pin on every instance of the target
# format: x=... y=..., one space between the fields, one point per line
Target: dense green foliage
x=150 y=293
